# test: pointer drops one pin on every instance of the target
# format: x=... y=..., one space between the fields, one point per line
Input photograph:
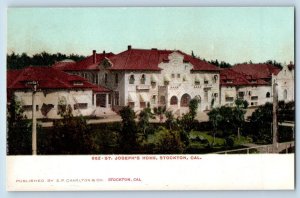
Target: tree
x=170 y=120
x=160 y=111
x=193 y=106
x=128 y=136
x=260 y=124
x=18 y=130
x=144 y=117
x=215 y=118
x=70 y=135
x=168 y=142
x=238 y=116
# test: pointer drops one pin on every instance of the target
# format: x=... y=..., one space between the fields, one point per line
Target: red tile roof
x=85 y=64
x=257 y=71
x=148 y=59
x=229 y=77
x=48 y=78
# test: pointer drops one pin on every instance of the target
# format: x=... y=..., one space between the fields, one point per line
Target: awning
x=185 y=77
x=144 y=97
x=167 y=78
x=62 y=100
x=230 y=94
x=81 y=99
x=154 y=78
x=27 y=100
x=132 y=97
x=197 y=78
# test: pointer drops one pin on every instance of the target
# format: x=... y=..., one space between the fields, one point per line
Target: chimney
x=129 y=47
x=104 y=52
x=94 y=57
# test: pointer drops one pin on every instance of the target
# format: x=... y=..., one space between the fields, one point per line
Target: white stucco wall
x=286 y=83
x=53 y=97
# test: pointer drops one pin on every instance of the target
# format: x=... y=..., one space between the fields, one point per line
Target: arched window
x=143 y=79
x=268 y=95
x=185 y=100
x=285 y=94
x=174 y=100
x=131 y=79
x=198 y=98
x=215 y=78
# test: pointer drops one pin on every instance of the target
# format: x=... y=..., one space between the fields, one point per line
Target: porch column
x=95 y=103
x=106 y=100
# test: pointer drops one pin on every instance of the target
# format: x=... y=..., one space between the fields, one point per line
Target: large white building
x=171 y=78
x=55 y=90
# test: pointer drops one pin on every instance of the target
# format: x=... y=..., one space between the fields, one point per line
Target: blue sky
x=230 y=34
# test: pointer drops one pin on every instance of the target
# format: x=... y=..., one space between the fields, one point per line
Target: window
x=205 y=96
x=29 y=108
x=249 y=93
x=105 y=78
x=173 y=75
x=229 y=99
x=77 y=83
x=254 y=97
x=80 y=106
x=285 y=94
x=241 y=94
x=116 y=78
x=131 y=104
x=215 y=78
x=174 y=100
x=143 y=79
x=142 y=104
x=153 y=99
x=178 y=75
x=61 y=108
x=117 y=98
x=215 y=95
x=268 y=95
x=131 y=79
x=205 y=81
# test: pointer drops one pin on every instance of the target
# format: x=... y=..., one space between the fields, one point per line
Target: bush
x=168 y=142
x=229 y=141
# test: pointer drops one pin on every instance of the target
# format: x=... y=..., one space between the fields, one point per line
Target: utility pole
x=275 y=107
x=34 y=139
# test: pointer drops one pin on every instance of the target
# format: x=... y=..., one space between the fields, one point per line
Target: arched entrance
x=173 y=100
x=185 y=100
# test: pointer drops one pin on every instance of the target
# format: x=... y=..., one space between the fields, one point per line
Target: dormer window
x=77 y=83
x=143 y=79
x=131 y=79
x=229 y=81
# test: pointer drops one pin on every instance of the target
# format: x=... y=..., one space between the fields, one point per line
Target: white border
x=5 y=3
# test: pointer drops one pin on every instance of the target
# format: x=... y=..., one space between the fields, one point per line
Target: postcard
x=150 y=98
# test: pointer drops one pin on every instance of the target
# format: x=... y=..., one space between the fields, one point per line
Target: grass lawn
x=208 y=136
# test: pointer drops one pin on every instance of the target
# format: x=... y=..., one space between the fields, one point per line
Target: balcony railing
x=143 y=87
